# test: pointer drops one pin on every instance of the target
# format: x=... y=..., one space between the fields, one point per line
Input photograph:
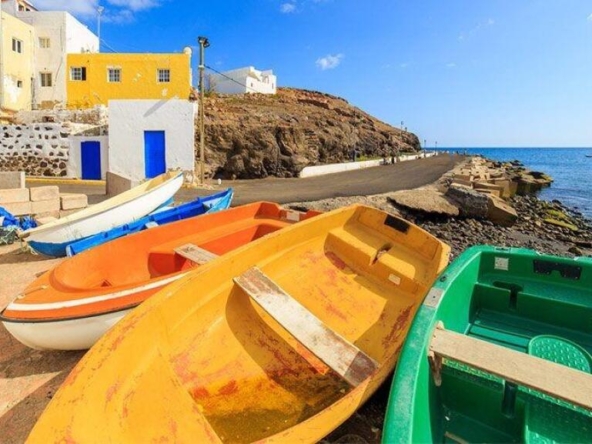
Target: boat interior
x=526 y=303
x=364 y=283
x=152 y=255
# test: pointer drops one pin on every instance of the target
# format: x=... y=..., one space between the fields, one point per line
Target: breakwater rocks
x=466 y=216
x=535 y=228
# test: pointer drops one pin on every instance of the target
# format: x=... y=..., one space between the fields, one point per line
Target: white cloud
x=116 y=11
x=135 y=5
x=329 y=61
x=451 y=65
x=81 y=8
x=404 y=65
x=590 y=18
x=287 y=8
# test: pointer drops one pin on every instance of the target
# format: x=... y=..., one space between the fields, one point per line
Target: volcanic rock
x=257 y=135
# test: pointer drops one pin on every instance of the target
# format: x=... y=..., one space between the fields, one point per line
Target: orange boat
x=279 y=341
x=74 y=304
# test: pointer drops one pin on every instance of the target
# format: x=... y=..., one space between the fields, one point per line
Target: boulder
x=470 y=202
x=500 y=212
x=425 y=200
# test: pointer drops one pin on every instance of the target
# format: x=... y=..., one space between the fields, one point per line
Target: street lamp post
x=100 y=10
x=203 y=43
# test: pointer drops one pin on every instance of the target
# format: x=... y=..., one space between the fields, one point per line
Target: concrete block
x=12 y=179
x=493 y=189
x=500 y=213
x=14 y=195
x=45 y=193
x=466 y=183
x=467 y=177
x=66 y=213
x=17 y=208
x=71 y=201
x=117 y=184
x=505 y=185
x=46 y=206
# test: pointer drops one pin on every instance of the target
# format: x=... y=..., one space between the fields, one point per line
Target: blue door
x=154 y=153
x=90 y=153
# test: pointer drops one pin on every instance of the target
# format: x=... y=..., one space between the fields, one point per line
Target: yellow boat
x=278 y=341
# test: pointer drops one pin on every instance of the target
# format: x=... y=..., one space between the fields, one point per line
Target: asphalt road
x=364 y=182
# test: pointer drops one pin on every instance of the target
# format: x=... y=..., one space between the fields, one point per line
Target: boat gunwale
x=401 y=417
x=95 y=210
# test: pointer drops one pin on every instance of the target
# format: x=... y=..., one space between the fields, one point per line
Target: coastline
x=29 y=378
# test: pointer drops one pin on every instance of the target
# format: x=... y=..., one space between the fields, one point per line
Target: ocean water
x=570 y=169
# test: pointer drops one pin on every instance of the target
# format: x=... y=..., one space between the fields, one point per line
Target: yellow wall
x=138 y=78
x=17 y=67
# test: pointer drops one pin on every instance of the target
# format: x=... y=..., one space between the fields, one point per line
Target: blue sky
x=460 y=72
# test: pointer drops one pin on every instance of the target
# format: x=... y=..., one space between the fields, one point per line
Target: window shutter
x=83 y=72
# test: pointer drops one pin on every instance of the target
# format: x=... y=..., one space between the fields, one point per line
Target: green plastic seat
x=549 y=421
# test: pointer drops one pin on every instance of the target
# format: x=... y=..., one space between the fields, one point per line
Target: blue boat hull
x=202 y=205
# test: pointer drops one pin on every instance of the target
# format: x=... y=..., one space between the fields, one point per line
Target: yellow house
x=94 y=79
x=16 y=65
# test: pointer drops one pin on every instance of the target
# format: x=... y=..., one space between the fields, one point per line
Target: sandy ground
x=28 y=378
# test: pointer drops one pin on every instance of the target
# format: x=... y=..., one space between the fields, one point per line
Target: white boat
x=52 y=239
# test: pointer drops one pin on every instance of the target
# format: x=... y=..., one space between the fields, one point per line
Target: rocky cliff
x=255 y=135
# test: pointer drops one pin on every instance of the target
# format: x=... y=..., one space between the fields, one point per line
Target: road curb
x=58 y=181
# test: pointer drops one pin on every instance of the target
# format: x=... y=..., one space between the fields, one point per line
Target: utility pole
x=203 y=44
x=100 y=10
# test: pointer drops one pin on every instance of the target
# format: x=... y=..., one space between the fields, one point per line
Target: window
x=114 y=75
x=46 y=79
x=17 y=45
x=19 y=83
x=44 y=42
x=78 y=73
x=163 y=76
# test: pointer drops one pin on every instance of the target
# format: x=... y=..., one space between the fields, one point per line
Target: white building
x=57 y=34
x=244 y=80
x=148 y=137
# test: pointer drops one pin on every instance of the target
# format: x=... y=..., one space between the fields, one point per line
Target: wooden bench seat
x=195 y=254
x=343 y=357
x=547 y=377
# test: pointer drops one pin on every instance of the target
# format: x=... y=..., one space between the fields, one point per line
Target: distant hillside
x=255 y=135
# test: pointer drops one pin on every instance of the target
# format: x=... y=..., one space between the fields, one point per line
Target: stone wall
x=39 y=150
x=99 y=115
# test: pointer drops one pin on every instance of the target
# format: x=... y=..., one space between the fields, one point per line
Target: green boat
x=498 y=352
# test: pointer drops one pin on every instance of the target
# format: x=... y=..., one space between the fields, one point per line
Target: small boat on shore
x=498 y=352
x=52 y=239
x=279 y=341
x=71 y=306
x=202 y=205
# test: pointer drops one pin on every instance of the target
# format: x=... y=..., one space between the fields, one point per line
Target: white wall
x=67 y=35
x=128 y=119
x=75 y=160
x=330 y=168
x=244 y=80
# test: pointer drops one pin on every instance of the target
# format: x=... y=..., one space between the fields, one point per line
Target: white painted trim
x=15 y=306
